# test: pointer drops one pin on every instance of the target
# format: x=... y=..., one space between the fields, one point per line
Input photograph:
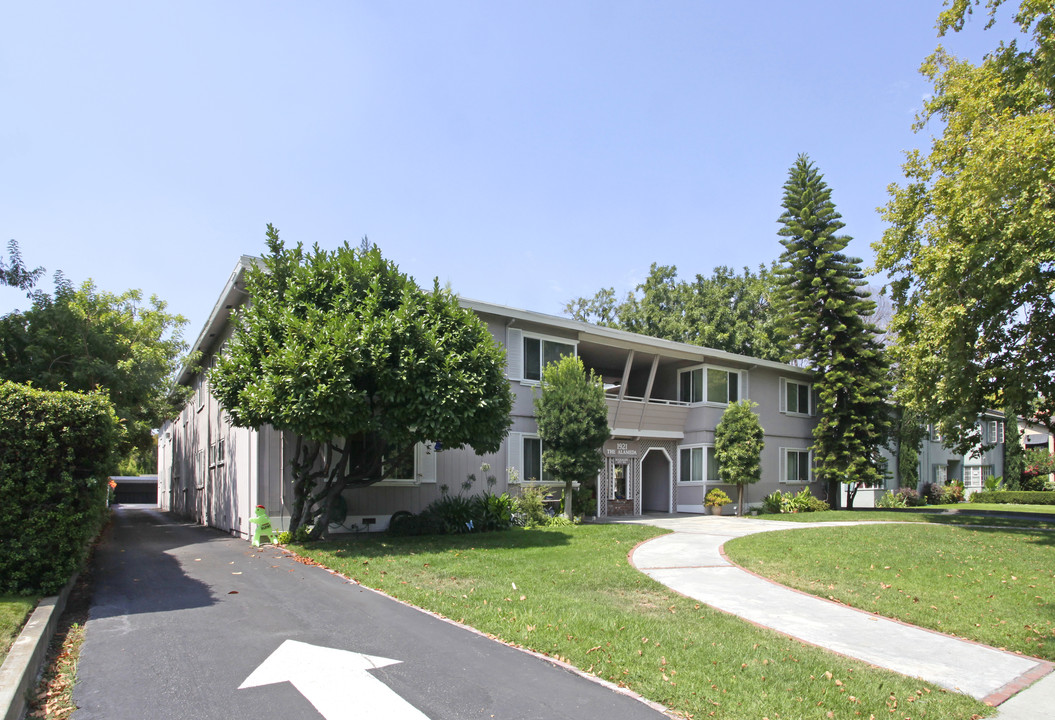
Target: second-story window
x=709 y=384
x=540 y=352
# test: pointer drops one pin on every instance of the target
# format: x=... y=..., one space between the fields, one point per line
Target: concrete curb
x=21 y=667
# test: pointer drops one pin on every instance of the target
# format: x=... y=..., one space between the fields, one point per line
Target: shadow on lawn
x=381 y=544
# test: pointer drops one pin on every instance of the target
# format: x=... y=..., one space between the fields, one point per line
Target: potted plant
x=715 y=500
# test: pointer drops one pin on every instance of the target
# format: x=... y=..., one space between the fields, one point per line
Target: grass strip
x=1001 y=507
x=14 y=611
x=915 y=516
x=570 y=593
x=993 y=586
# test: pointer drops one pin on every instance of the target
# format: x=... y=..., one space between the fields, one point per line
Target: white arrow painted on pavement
x=335 y=681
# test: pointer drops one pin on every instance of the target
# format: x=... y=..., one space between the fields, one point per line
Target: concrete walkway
x=691 y=562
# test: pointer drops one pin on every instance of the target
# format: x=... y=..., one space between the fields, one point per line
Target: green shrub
x=911 y=496
x=56 y=451
x=283 y=538
x=531 y=507
x=1015 y=497
x=803 y=501
x=493 y=512
x=891 y=500
x=952 y=493
x=716 y=498
x=771 y=502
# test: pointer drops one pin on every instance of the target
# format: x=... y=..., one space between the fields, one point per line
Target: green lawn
x=14 y=610
x=916 y=517
x=1001 y=507
x=990 y=585
x=571 y=593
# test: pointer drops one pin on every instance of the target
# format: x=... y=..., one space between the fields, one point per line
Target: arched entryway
x=656 y=480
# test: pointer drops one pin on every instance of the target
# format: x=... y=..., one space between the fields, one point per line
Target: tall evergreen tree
x=825 y=315
x=1014 y=453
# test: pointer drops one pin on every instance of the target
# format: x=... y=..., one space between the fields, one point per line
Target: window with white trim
x=532 y=459
x=974 y=475
x=697 y=463
x=709 y=384
x=941 y=474
x=796 y=465
x=795 y=397
x=541 y=351
x=411 y=468
x=994 y=432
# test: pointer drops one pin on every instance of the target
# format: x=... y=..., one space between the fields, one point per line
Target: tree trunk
x=851 y=493
x=740 y=500
x=567 y=500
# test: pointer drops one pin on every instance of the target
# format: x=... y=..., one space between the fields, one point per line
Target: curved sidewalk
x=690 y=561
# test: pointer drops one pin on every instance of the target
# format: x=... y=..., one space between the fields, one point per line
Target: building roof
x=234 y=294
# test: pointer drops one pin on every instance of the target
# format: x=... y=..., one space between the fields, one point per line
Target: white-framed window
x=974 y=475
x=540 y=351
x=796 y=465
x=795 y=397
x=935 y=433
x=413 y=468
x=697 y=464
x=993 y=432
x=709 y=384
x=941 y=474
x=532 y=458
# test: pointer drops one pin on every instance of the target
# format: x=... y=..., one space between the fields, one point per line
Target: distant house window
x=796 y=398
x=533 y=471
x=540 y=352
x=796 y=465
x=709 y=384
x=941 y=474
x=698 y=464
x=974 y=475
x=994 y=432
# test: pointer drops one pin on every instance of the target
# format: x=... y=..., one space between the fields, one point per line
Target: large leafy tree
x=738 y=443
x=726 y=310
x=971 y=245
x=360 y=364
x=825 y=314
x=87 y=340
x=572 y=424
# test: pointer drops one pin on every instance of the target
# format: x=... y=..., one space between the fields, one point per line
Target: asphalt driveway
x=187 y=622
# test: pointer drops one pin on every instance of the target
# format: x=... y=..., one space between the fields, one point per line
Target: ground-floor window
x=698 y=464
x=533 y=471
x=941 y=474
x=974 y=475
x=795 y=465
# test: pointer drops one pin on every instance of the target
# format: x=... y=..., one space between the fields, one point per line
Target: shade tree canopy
x=346 y=352
x=726 y=310
x=970 y=247
x=85 y=339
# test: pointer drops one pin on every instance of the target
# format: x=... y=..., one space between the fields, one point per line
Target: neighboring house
x=938 y=464
x=664 y=401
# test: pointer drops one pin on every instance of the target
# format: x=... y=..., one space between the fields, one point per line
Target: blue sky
x=524 y=152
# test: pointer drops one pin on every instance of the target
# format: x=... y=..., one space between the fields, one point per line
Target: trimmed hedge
x=1015 y=497
x=56 y=450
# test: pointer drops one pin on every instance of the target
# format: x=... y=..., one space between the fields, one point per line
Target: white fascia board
x=232 y=295
x=629 y=340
